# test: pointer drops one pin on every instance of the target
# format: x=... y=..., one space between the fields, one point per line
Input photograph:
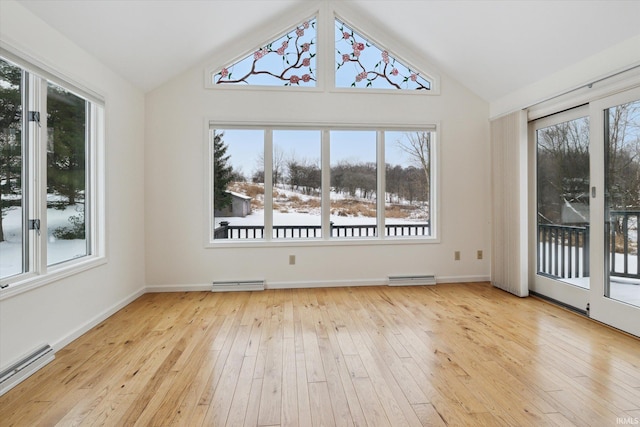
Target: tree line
x=563 y=164
x=358 y=180
x=404 y=183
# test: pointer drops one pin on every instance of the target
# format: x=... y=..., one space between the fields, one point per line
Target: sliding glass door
x=562 y=224
x=585 y=190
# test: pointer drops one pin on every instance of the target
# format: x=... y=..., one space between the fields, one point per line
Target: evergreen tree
x=222 y=173
x=10 y=139
x=66 y=151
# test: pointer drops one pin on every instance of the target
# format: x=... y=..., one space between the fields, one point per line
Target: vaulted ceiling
x=491 y=47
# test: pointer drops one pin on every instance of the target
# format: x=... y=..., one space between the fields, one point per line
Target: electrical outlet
x=479 y=254
x=292 y=259
x=456 y=255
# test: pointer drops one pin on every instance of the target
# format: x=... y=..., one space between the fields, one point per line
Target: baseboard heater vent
x=429 y=279
x=24 y=368
x=238 y=285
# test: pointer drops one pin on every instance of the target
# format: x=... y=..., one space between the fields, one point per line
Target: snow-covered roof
x=238 y=195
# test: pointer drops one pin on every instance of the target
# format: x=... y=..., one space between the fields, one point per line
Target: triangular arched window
x=287 y=61
x=362 y=64
x=293 y=59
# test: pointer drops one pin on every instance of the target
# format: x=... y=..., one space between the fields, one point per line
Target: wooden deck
x=463 y=354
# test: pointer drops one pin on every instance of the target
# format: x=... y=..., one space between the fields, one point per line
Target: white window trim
x=326 y=240
x=37 y=272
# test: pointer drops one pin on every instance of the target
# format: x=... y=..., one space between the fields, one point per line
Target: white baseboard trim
x=275 y=285
x=325 y=283
x=178 y=288
x=365 y=282
x=462 y=279
x=298 y=284
x=97 y=319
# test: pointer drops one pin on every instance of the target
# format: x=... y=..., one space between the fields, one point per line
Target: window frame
x=428 y=77
x=326 y=16
x=240 y=59
x=35 y=271
x=326 y=239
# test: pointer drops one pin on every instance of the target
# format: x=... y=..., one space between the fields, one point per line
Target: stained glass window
x=287 y=61
x=361 y=64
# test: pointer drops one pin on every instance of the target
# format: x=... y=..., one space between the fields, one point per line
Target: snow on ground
x=256 y=218
x=57 y=250
x=293 y=213
x=297 y=218
x=621 y=289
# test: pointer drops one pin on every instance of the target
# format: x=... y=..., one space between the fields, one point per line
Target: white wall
x=176 y=180
x=606 y=63
x=58 y=312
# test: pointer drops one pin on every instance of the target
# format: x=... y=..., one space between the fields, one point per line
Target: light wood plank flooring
x=460 y=354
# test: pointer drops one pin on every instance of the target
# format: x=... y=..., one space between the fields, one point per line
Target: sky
x=245 y=147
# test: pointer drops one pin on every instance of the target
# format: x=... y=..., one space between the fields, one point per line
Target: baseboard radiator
x=238 y=285
x=428 y=279
x=23 y=369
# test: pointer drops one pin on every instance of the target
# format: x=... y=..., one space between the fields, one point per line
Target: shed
x=240 y=206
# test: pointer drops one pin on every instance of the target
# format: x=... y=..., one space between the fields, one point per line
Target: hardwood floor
x=462 y=354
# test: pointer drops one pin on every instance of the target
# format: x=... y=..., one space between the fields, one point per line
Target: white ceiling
x=492 y=47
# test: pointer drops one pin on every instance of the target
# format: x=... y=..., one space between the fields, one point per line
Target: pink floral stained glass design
x=361 y=64
x=287 y=61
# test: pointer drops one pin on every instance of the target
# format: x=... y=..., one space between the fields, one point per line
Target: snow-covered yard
x=295 y=208
x=58 y=250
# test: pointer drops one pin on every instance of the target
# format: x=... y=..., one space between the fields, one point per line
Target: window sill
x=285 y=243
x=33 y=281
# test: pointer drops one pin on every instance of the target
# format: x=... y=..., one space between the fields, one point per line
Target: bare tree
x=303 y=175
x=418 y=146
x=278 y=166
x=623 y=155
x=562 y=168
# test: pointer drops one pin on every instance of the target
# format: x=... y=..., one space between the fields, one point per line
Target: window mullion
x=37 y=172
x=325 y=186
x=88 y=193
x=95 y=190
x=381 y=196
x=268 y=184
x=326 y=69
x=27 y=245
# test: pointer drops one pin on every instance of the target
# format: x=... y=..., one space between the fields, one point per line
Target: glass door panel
x=562 y=207
x=622 y=202
x=615 y=210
